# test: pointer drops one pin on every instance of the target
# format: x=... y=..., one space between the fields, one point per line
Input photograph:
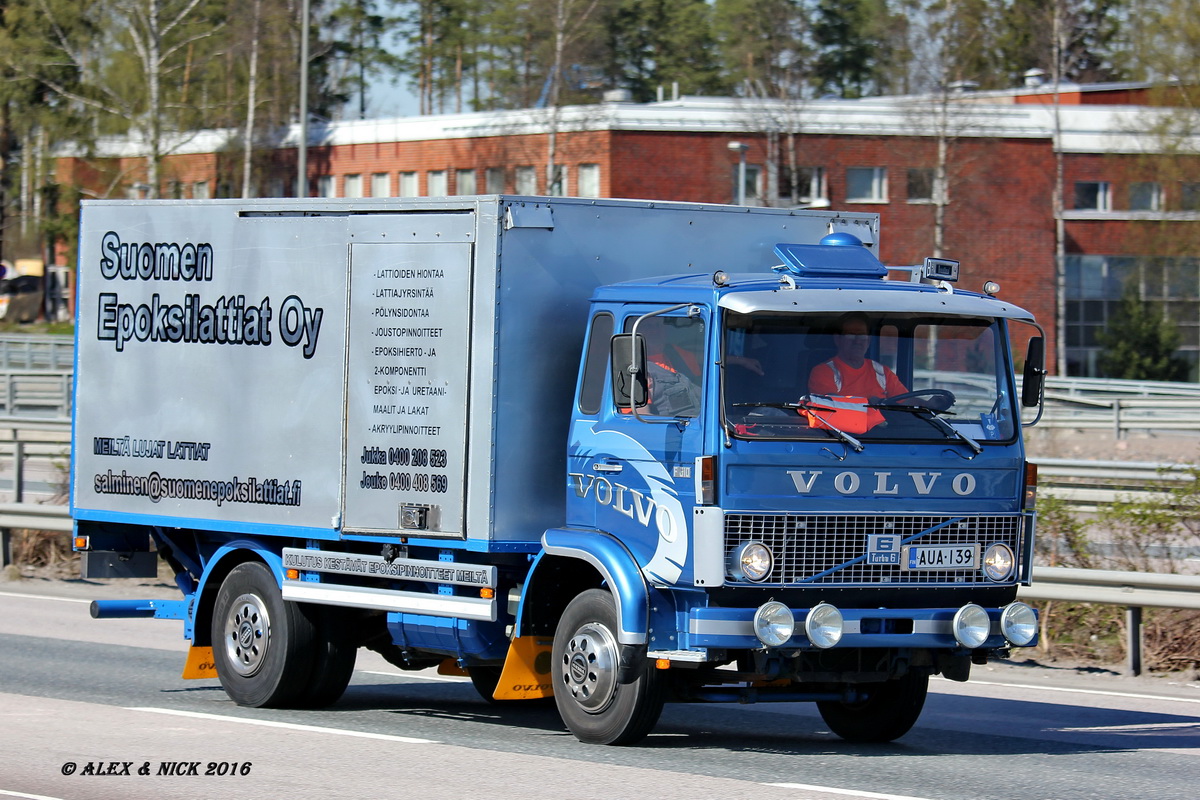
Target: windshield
x=895 y=377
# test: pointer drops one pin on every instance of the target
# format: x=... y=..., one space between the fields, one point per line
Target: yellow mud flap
x=200 y=664
x=449 y=666
x=526 y=673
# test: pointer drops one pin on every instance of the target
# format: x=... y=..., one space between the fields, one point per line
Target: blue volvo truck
x=586 y=449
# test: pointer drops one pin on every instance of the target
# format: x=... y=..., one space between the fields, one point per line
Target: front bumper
x=931 y=628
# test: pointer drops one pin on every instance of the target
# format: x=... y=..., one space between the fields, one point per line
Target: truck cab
x=797 y=541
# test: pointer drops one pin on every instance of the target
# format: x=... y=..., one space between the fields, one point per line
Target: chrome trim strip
x=383 y=600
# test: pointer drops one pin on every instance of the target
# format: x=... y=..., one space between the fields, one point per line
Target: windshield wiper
x=935 y=417
x=835 y=431
x=805 y=405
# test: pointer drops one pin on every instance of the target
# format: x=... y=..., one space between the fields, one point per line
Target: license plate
x=946 y=557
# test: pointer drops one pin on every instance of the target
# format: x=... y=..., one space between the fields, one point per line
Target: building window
x=1189 y=197
x=381 y=185
x=494 y=180
x=866 y=185
x=1145 y=197
x=200 y=190
x=526 y=180
x=438 y=186
x=325 y=186
x=920 y=185
x=353 y=186
x=408 y=184
x=810 y=186
x=588 y=180
x=1095 y=285
x=465 y=178
x=1093 y=196
x=753 y=195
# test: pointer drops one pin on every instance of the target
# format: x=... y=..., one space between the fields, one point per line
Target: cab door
x=632 y=466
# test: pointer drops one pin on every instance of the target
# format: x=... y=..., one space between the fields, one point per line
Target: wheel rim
x=247 y=634
x=589 y=667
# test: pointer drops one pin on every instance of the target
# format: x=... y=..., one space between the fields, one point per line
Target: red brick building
x=1130 y=214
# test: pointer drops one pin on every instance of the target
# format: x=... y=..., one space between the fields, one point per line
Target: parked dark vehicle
x=21 y=298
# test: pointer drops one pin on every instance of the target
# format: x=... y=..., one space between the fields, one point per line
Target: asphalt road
x=77 y=692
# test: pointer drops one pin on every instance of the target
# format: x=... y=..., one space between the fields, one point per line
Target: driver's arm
x=894 y=386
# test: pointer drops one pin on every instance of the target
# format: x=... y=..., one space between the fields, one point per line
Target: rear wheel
x=263 y=646
x=596 y=708
x=889 y=711
x=333 y=658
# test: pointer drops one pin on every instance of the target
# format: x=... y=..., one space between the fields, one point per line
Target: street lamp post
x=740 y=148
x=302 y=145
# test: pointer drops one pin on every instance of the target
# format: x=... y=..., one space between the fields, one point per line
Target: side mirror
x=628 y=370
x=1034 y=376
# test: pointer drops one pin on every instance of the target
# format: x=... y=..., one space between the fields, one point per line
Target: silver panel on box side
x=406 y=413
x=207 y=345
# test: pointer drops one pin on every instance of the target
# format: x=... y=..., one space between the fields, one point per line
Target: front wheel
x=889 y=711
x=586 y=657
x=262 y=646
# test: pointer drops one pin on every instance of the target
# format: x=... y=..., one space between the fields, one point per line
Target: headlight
x=998 y=562
x=1019 y=624
x=823 y=625
x=971 y=626
x=774 y=623
x=752 y=561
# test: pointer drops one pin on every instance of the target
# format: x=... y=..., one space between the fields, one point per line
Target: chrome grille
x=830 y=549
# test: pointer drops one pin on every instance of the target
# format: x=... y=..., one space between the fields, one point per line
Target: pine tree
x=1139 y=343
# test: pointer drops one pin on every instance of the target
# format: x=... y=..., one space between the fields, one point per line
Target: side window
x=594 y=367
x=674 y=363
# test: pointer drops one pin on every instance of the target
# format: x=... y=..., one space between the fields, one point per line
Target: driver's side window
x=674 y=363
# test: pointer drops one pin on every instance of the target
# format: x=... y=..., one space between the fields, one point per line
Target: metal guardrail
x=25 y=352
x=1133 y=590
x=1087 y=485
x=34 y=455
x=1093 y=387
x=35 y=393
x=1109 y=587
x=1122 y=414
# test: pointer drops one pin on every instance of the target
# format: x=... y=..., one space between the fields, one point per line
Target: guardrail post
x=6 y=556
x=1133 y=630
x=18 y=470
x=1116 y=418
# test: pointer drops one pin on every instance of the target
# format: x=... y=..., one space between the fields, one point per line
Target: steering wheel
x=937 y=399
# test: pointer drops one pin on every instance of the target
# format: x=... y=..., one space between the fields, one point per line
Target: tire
x=263 y=647
x=889 y=712
x=594 y=706
x=333 y=659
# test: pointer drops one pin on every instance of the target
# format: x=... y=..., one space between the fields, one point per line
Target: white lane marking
x=848 y=792
x=43 y=597
x=6 y=793
x=439 y=678
x=1149 y=727
x=1129 y=695
x=387 y=737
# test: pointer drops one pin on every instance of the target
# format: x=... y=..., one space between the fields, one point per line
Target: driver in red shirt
x=850 y=373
